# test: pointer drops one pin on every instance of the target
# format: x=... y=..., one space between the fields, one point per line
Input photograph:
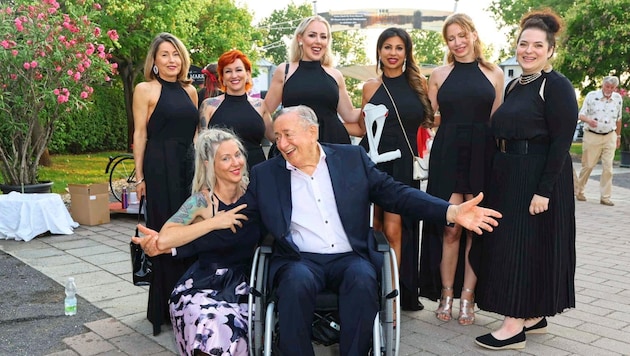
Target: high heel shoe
x=466 y=309
x=444 y=311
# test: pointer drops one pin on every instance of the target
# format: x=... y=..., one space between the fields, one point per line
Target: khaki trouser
x=594 y=147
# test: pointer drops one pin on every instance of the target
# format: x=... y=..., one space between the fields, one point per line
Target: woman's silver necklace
x=526 y=79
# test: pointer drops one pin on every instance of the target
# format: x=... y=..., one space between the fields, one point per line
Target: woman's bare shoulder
x=148 y=85
x=442 y=71
x=372 y=84
x=147 y=90
x=494 y=74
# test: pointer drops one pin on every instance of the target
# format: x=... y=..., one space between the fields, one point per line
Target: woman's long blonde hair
x=295 y=50
x=206 y=146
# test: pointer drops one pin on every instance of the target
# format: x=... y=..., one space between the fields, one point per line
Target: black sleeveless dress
x=310 y=85
x=459 y=155
x=526 y=266
x=168 y=171
x=411 y=115
x=238 y=114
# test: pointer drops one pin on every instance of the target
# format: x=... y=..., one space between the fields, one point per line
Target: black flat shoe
x=413 y=307
x=409 y=301
x=490 y=342
x=539 y=328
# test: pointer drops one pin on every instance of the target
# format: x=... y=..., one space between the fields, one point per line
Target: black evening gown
x=460 y=151
x=411 y=111
x=238 y=114
x=310 y=85
x=168 y=172
x=526 y=266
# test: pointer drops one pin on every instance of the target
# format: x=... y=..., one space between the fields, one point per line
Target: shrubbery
x=100 y=127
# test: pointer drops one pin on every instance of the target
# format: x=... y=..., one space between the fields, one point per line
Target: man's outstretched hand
x=473 y=217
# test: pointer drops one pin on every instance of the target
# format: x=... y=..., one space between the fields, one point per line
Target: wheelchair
x=262 y=328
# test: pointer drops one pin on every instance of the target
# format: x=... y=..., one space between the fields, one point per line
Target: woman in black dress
x=401 y=78
x=309 y=78
x=236 y=110
x=526 y=266
x=209 y=303
x=165 y=120
x=466 y=91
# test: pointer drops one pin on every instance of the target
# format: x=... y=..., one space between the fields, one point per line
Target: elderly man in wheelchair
x=325 y=317
x=314 y=199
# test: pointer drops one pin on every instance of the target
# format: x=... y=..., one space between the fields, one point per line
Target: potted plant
x=624 y=147
x=50 y=56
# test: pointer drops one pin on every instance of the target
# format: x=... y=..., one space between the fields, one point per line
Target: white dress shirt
x=315 y=223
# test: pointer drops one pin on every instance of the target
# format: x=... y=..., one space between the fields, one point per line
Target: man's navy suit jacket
x=356 y=183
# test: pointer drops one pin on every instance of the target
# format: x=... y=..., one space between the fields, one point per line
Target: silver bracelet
x=140 y=181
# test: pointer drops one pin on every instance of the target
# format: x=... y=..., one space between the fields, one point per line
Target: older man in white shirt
x=601 y=112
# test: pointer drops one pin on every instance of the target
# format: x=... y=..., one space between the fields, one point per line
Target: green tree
x=508 y=13
x=222 y=26
x=428 y=46
x=349 y=49
x=277 y=30
x=596 y=43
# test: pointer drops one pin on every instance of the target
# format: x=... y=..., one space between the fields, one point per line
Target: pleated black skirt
x=526 y=267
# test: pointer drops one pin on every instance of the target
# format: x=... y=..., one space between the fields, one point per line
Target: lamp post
x=314 y=7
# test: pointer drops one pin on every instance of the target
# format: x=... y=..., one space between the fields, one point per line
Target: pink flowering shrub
x=625 y=120
x=49 y=60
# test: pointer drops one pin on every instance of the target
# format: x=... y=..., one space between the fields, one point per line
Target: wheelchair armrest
x=266 y=246
x=382 y=245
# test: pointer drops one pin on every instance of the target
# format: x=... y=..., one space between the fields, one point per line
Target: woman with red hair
x=235 y=109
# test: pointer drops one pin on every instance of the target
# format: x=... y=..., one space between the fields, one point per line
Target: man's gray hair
x=611 y=79
x=305 y=113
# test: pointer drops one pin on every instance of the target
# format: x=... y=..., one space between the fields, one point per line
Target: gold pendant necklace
x=526 y=79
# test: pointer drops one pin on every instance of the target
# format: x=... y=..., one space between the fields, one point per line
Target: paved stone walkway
x=98 y=258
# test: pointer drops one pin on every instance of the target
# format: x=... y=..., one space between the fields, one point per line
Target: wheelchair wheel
x=122 y=174
x=387 y=324
x=257 y=301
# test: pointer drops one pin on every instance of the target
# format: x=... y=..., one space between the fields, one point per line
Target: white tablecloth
x=24 y=216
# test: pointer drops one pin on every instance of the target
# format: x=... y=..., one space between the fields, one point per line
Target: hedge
x=100 y=127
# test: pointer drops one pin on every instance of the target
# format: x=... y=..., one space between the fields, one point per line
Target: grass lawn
x=90 y=168
x=76 y=169
x=576 y=148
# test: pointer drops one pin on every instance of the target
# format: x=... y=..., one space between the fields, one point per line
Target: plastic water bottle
x=125 y=198
x=70 y=303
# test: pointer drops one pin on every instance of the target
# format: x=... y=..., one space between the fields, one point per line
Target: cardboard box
x=89 y=203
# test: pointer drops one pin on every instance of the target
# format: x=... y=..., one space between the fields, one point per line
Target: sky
x=483 y=20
